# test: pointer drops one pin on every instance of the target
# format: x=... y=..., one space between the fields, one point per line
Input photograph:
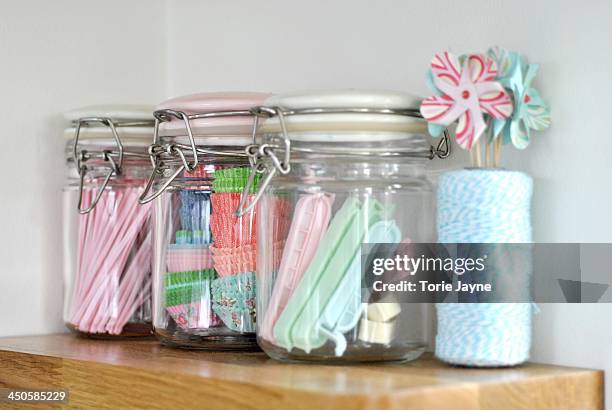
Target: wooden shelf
x=143 y=374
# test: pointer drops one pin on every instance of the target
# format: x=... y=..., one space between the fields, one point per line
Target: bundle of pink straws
x=112 y=283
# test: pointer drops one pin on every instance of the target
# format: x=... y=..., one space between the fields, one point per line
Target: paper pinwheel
x=530 y=111
x=466 y=92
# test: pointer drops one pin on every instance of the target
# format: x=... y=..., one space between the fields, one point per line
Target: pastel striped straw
x=112 y=284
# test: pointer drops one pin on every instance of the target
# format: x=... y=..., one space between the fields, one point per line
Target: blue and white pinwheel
x=530 y=111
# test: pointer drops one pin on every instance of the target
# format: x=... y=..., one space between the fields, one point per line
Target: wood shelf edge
x=158 y=377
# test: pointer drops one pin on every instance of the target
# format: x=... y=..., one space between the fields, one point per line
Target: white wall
x=47 y=67
x=57 y=56
x=277 y=45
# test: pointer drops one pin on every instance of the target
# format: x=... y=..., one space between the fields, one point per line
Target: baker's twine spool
x=484 y=206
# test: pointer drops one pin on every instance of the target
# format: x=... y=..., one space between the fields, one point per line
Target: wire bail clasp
x=257 y=155
x=80 y=157
x=443 y=149
x=157 y=151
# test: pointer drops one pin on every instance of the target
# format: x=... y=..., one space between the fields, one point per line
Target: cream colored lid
x=98 y=134
x=346 y=122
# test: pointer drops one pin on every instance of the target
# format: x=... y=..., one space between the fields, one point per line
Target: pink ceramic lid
x=212 y=128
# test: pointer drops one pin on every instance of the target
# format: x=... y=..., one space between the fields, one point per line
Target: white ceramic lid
x=98 y=134
x=234 y=130
x=345 y=98
x=346 y=122
x=119 y=112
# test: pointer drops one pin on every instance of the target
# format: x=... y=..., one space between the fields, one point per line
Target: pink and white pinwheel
x=467 y=91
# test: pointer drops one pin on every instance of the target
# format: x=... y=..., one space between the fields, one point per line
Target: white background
x=56 y=56
x=63 y=54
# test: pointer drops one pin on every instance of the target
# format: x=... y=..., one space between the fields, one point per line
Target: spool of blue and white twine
x=484 y=206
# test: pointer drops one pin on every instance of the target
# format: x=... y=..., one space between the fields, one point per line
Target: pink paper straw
x=98 y=243
x=106 y=294
x=83 y=224
x=101 y=263
x=112 y=268
x=130 y=286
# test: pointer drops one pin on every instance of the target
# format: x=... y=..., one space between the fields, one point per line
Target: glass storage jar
x=342 y=169
x=204 y=265
x=107 y=240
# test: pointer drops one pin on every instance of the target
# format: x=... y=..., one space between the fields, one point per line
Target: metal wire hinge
x=160 y=154
x=443 y=149
x=80 y=157
x=257 y=153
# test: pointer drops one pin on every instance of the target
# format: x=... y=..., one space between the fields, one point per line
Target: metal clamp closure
x=161 y=153
x=257 y=153
x=443 y=149
x=80 y=157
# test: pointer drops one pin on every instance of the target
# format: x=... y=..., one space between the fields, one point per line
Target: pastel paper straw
x=113 y=262
x=106 y=257
x=129 y=287
x=108 y=308
x=118 y=268
x=100 y=239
